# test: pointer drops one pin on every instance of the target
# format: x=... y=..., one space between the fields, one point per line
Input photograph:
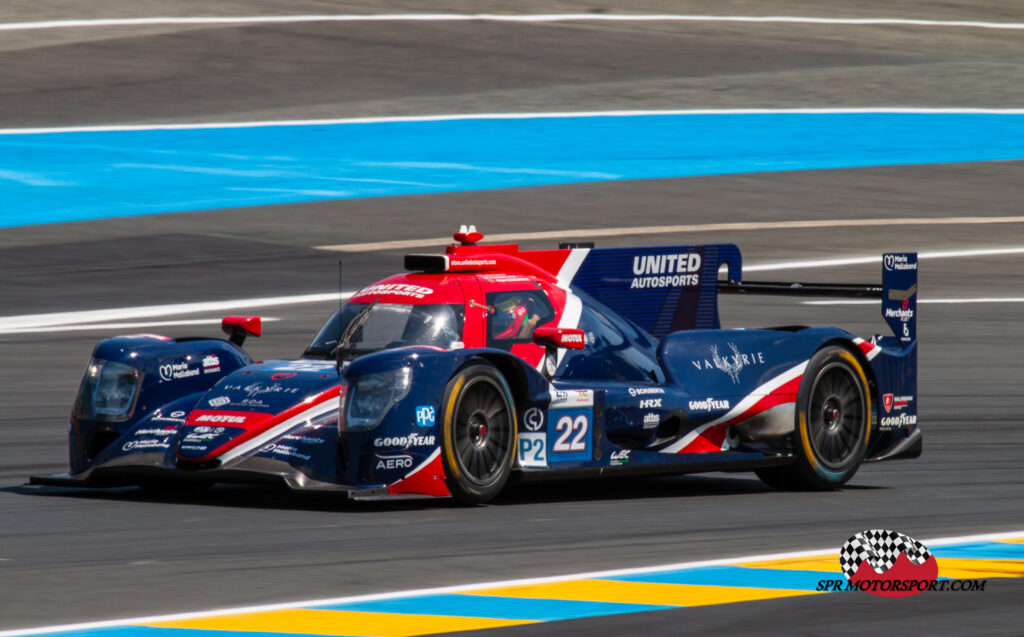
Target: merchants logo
x=888 y=563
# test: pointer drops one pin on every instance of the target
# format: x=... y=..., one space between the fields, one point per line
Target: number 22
x=565 y=428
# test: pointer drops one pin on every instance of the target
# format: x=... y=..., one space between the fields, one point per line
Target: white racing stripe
x=331 y=404
x=464 y=588
x=515 y=18
x=748 y=402
x=596 y=233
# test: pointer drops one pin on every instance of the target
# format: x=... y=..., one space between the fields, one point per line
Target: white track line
x=520 y=18
x=597 y=233
x=117 y=326
x=485 y=585
x=489 y=116
x=14 y=323
x=925 y=301
x=942 y=254
x=100 y=319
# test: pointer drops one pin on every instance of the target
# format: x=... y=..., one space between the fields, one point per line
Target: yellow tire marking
x=449 y=412
x=804 y=435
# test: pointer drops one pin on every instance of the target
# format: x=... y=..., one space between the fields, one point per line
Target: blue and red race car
x=488 y=362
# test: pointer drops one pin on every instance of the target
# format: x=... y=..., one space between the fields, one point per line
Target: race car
x=488 y=362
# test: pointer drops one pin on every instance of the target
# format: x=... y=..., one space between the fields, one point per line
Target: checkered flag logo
x=880 y=548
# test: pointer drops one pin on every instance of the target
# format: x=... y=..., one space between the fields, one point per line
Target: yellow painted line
x=338 y=622
x=619 y=592
x=825 y=562
x=959 y=568
x=1015 y=540
x=956 y=568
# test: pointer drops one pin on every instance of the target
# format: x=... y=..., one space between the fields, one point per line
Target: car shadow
x=514 y=494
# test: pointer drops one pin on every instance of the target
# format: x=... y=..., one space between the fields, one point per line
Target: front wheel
x=833 y=424
x=478 y=434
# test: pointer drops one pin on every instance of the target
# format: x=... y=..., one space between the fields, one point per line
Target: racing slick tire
x=833 y=424
x=478 y=433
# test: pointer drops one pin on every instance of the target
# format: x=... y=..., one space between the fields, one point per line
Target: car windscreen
x=370 y=327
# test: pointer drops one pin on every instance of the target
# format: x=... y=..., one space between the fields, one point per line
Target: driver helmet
x=510 y=314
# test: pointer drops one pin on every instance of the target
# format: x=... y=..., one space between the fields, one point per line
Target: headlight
x=371 y=396
x=108 y=392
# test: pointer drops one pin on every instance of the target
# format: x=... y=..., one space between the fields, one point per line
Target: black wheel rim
x=482 y=431
x=836 y=415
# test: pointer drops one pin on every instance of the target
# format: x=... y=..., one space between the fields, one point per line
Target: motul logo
x=220 y=418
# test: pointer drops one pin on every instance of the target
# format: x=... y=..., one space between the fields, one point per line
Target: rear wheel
x=833 y=423
x=478 y=435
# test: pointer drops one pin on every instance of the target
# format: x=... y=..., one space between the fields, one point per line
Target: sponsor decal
x=412 y=440
x=287 y=451
x=532 y=450
x=425 y=416
x=304 y=366
x=176 y=371
x=222 y=418
x=731 y=364
x=394 y=462
x=175 y=417
x=620 y=457
x=903 y=315
x=204 y=430
x=651 y=420
x=308 y=440
x=890 y=564
x=472 y=263
x=903 y=420
x=199 y=437
x=259 y=389
x=708 y=404
x=533 y=419
x=397 y=289
x=645 y=391
x=142 y=445
x=168 y=431
x=673 y=270
x=211 y=364
x=898 y=262
x=650 y=403
x=572 y=398
x=193 y=447
x=887 y=401
x=219 y=401
x=571 y=338
x=283 y=375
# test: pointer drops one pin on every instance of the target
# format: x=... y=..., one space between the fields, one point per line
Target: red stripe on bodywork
x=427 y=479
x=711 y=439
x=256 y=426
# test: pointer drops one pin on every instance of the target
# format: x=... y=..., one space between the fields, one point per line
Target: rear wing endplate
x=898 y=292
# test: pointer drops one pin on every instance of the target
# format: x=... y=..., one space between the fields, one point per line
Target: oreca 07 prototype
x=488 y=362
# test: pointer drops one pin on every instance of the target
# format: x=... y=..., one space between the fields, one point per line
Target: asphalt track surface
x=77 y=556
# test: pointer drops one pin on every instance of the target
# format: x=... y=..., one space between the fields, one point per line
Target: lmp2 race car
x=488 y=362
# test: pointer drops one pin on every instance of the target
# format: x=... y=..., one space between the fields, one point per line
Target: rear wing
x=898 y=292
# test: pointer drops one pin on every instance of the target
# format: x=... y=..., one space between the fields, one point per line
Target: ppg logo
x=425 y=416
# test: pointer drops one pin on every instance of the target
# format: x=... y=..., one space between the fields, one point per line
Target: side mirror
x=239 y=327
x=560 y=337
